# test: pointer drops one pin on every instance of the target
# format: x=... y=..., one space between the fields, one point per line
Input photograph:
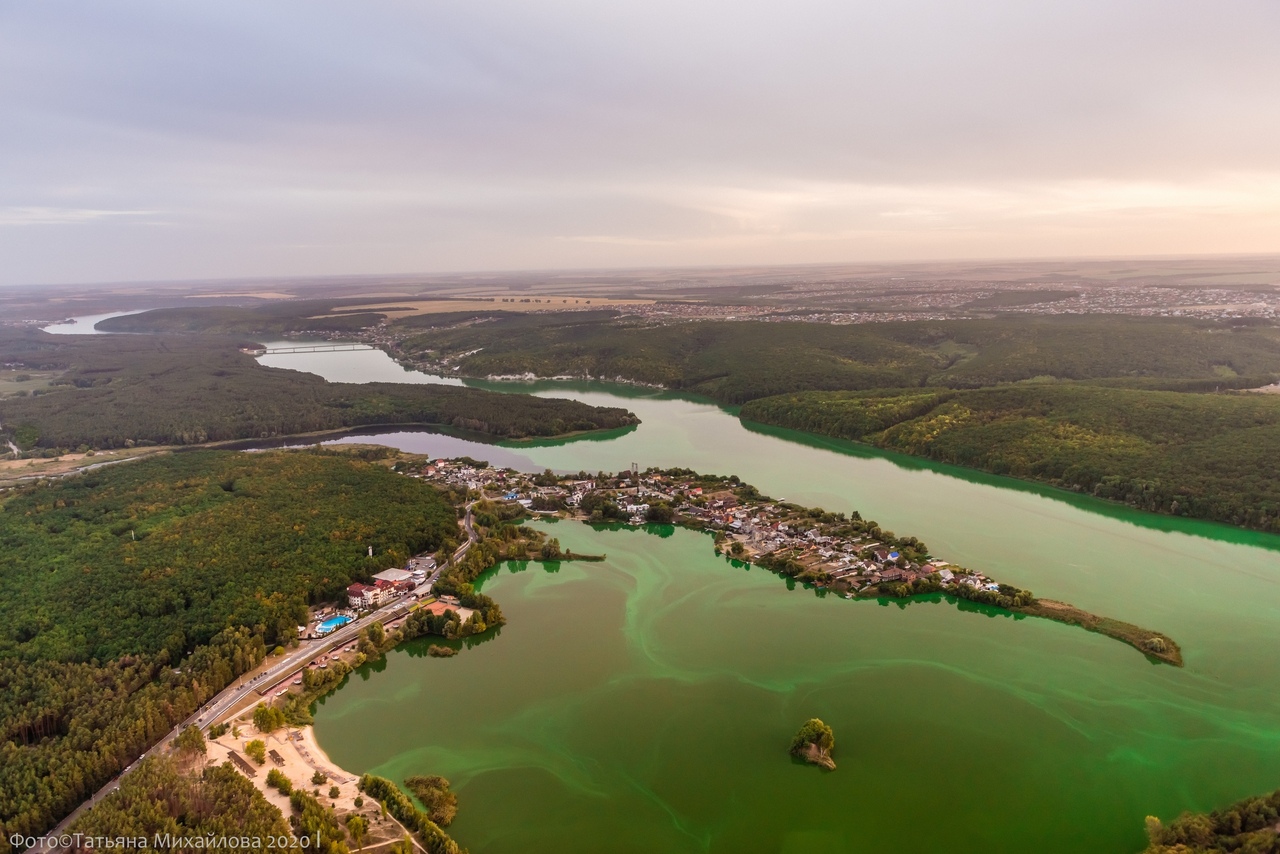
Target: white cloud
x=63 y=216
x=314 y=136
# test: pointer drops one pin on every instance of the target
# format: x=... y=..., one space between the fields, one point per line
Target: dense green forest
x=734 y=362
x=278 y=318
x=1201 y=455
x=139 y=591
x=1247 y=827
x=162 y=800
x=218 y=801
x=282 y=317
x=123 y=390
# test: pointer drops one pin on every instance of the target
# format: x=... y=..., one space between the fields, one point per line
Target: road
x=307 y=650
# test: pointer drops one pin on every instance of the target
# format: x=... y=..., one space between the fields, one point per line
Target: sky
x=169 y=139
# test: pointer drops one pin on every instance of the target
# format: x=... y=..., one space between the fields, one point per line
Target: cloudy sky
x=173 y=139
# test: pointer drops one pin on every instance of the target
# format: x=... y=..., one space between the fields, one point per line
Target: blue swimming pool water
x=331 y=624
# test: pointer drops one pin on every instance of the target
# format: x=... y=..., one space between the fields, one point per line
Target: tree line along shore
x=125 y=391
x=1151 y=412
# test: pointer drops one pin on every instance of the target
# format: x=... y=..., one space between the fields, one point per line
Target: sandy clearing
x=13 y=470
x=300 y=757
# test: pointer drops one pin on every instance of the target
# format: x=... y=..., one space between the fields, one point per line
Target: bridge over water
x=311 y=348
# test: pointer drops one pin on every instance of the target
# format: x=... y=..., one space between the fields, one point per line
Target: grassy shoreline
x=1135 y=636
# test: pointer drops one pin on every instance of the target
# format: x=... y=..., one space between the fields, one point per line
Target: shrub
x=277 y=779
x=257 y=751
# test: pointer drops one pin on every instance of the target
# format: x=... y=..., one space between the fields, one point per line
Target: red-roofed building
x=360 y=596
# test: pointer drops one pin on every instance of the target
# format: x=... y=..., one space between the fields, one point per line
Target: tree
x=190 y=742
x=376 y=634
x=257 y=750
x=318 y=778
x=267 y=718
x=473 y=626
x=551 y=549
x=334 y=792
x=433 y=791
x=660 y=512
x=277 y=779
x=814 y=743
x=358 y=827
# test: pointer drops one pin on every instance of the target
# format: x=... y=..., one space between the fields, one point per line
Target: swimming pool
x=331 y=624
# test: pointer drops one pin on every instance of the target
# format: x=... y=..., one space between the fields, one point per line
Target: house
x=360 y=596
x=388 y=590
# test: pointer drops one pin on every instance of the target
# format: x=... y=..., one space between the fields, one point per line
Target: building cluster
x=390 y=584
x=848 y=302
x=756 y=529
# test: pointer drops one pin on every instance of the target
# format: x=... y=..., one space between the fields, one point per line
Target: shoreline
x=300 y=745
x=1167 y=651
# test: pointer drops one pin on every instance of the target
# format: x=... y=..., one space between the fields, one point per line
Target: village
x=852 y=556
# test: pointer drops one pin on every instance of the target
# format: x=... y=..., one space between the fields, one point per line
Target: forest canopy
x=139 y=591
x=117 y=391
x=734 y=362
x=1119 y=407
x=1200 y=455
x=1246 y=827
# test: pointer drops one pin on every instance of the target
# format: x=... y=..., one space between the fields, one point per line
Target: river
x=84 y=325
x=645 y=703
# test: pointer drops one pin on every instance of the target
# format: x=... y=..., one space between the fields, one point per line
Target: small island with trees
x=814 y=743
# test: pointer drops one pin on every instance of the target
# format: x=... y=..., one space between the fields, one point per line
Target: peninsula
x=845 y=554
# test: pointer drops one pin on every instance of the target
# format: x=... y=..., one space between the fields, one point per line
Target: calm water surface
x=644 y=703
x=83 y=325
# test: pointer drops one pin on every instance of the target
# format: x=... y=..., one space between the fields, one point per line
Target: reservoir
x=645 y=703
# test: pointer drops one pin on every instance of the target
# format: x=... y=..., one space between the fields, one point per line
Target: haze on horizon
x=149 y=140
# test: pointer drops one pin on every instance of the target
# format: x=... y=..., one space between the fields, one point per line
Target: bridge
x=310 y=348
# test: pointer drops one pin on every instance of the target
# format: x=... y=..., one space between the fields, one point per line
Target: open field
x=551 y=302
x=16 y=382
x=15 y=471
x=1111 y=283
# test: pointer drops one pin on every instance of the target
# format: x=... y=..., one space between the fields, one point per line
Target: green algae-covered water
x=645 y=703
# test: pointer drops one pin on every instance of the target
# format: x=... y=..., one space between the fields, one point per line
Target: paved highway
x=307 y=650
